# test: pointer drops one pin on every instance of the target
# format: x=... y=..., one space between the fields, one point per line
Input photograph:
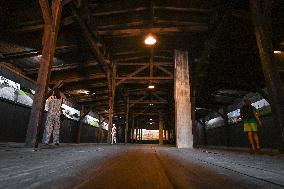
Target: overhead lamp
x=151 y=87
x=151 y=123
x=150 y=40
x=151 y=104
x=82 y=91
x=277 y=52
x=151 y=119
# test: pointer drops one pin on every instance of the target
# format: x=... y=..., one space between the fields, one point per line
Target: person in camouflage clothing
x=52 y=123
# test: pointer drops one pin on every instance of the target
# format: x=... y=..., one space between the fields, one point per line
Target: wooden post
x=111 y=101
x=184 y=138
x=80 y=125
x=136 y=134
x=202 y=122
x=226 y=123
x=141 y=135
x=132 y=126
x=161 y=127
x=52 y=19
x=273 y=81
x=127 y=115
x=194 y=129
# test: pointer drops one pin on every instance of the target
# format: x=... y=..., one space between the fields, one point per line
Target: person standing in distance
x=52 y=124
x=251 y=120
x=113 y=134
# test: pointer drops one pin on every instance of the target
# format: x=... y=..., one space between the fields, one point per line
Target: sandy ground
x=136 y=166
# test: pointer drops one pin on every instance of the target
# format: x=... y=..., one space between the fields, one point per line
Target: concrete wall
x=14 y=120
x=270 y=135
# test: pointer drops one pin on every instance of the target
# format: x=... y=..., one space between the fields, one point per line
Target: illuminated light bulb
x=151 y=86
x=277 y=52
x=150 y=40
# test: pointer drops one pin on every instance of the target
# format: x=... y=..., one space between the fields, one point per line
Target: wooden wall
x=14 y=120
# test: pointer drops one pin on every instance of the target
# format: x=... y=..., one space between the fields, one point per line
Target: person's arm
x=257 y=118
x=48 y=102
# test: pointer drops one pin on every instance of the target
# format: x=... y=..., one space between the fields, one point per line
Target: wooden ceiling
x=95 y=35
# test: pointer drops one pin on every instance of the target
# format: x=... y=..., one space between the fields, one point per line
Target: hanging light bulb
x=151 y=86
x=150 y=40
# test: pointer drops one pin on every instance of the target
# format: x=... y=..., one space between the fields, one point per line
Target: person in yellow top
x=251 y=120
x=52 y=123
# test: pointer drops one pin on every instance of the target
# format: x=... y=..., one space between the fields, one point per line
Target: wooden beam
x=77 y=78
x=132 y=74
x=92 y=42
x=139 y=100
x=16 y=71
x=164 y=70
x=57 y=85
x=66 y=67
x=141 y=31
x=144 y=63
x=147 y=102
x=144 y=78
x=159 y=97
x=183 y=9
x=46 y=12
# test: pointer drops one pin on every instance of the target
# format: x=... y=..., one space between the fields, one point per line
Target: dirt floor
x=136 y=166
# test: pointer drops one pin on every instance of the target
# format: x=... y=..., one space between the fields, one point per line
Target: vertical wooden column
x=127 y=116
x=141 y=135
x=132 y=127
x=184 y=138
x=80 y=125
x=261 y=17
x=136 y=134
x=111 y=81
x=193 y=118
x=161 y=128
x=226 y=123
x=51 y=25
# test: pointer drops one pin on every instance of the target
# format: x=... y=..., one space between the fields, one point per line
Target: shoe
x=57 y=144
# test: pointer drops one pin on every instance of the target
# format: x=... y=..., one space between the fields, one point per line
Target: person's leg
x=250 y=137
x=56 y=130
x=114 y=138
x=47 y=130
x=256 y=139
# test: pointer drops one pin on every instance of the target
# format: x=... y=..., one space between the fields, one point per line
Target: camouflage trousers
x=52 y=125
